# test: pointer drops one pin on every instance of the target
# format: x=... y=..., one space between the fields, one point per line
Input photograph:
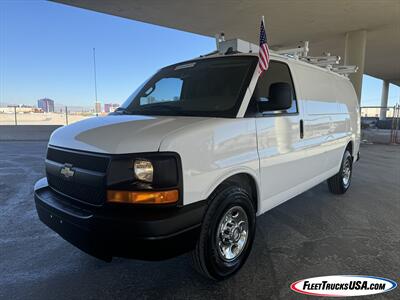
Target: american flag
x=263 y=54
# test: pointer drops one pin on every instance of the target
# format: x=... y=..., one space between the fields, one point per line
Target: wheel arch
x=350 y=147
x=243 y=179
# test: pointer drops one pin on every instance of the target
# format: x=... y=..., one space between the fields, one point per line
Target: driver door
x=280 y=146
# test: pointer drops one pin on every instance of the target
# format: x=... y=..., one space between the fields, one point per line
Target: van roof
x=273 y=56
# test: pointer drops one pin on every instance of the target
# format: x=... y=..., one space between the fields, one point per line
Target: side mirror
x=280 y=98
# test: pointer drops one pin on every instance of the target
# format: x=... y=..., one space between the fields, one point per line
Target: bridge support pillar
x=354 y=54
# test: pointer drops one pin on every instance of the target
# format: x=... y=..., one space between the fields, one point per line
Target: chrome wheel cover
x=232 y=233
x=346 y=173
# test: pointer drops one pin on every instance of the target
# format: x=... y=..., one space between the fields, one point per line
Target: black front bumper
x=136 y=232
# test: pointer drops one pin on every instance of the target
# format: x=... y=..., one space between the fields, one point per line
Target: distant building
x=45 y=104
x=110 y=107
x=97 y=107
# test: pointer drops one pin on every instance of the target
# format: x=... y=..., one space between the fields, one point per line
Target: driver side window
x=165 y=90
x=277 y=72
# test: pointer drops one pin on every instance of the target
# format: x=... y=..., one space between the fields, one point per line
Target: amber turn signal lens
x=143 y=197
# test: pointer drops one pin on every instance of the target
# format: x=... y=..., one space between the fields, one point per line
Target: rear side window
x=277 y=72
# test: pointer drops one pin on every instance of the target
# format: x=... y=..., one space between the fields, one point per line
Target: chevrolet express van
x=195 y=154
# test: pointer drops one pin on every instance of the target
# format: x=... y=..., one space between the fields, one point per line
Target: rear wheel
x=340 y=183
x=227 y=234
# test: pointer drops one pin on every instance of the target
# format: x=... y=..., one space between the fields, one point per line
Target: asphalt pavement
x=314 y=234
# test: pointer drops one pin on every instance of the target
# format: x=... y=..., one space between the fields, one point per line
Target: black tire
x=207 y=257
x=340 y=183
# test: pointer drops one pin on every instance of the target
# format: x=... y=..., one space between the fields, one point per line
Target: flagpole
x=95 y=80
x=263 y=53
x=263 y=21
x=259 y=71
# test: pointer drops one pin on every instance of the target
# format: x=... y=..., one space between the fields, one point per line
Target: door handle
x=301 y=128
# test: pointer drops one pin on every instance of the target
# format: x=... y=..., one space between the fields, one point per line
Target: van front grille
x=88 y=161
x=88 y=182
x=81 y=192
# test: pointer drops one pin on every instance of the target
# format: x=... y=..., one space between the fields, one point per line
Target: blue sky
x=46 y=51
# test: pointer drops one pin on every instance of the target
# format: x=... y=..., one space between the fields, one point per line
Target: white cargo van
x=195 y=154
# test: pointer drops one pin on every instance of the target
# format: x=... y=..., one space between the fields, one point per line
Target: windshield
x=209 y=87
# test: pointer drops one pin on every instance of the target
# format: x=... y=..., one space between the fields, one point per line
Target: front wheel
x=340 y=183
x=227 y=234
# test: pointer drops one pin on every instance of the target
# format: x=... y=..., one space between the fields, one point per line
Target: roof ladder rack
x=345 y=70
x=295 y=52
x=327 y=61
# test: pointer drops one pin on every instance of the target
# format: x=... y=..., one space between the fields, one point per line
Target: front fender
x=212 y=151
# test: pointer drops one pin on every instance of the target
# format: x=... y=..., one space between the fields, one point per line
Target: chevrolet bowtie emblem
x=67 y=171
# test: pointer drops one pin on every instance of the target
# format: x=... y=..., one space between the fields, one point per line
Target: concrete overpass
x=364 y=32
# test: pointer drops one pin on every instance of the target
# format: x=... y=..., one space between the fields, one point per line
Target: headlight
x=143 y=170
x=161 y=172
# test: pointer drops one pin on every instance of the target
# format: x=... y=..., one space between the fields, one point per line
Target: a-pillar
x=354 y=54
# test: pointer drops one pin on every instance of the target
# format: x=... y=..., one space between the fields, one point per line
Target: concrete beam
x=384 y=99
x=354 y=54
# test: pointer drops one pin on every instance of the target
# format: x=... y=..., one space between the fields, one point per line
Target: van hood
x=119 y=134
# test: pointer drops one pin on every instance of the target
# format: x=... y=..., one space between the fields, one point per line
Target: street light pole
x=66 y=115
x=15 y=114
x=95 y=79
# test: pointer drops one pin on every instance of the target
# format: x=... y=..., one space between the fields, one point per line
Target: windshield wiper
x=122 y=111
x=160 y=106
x=147 y=110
